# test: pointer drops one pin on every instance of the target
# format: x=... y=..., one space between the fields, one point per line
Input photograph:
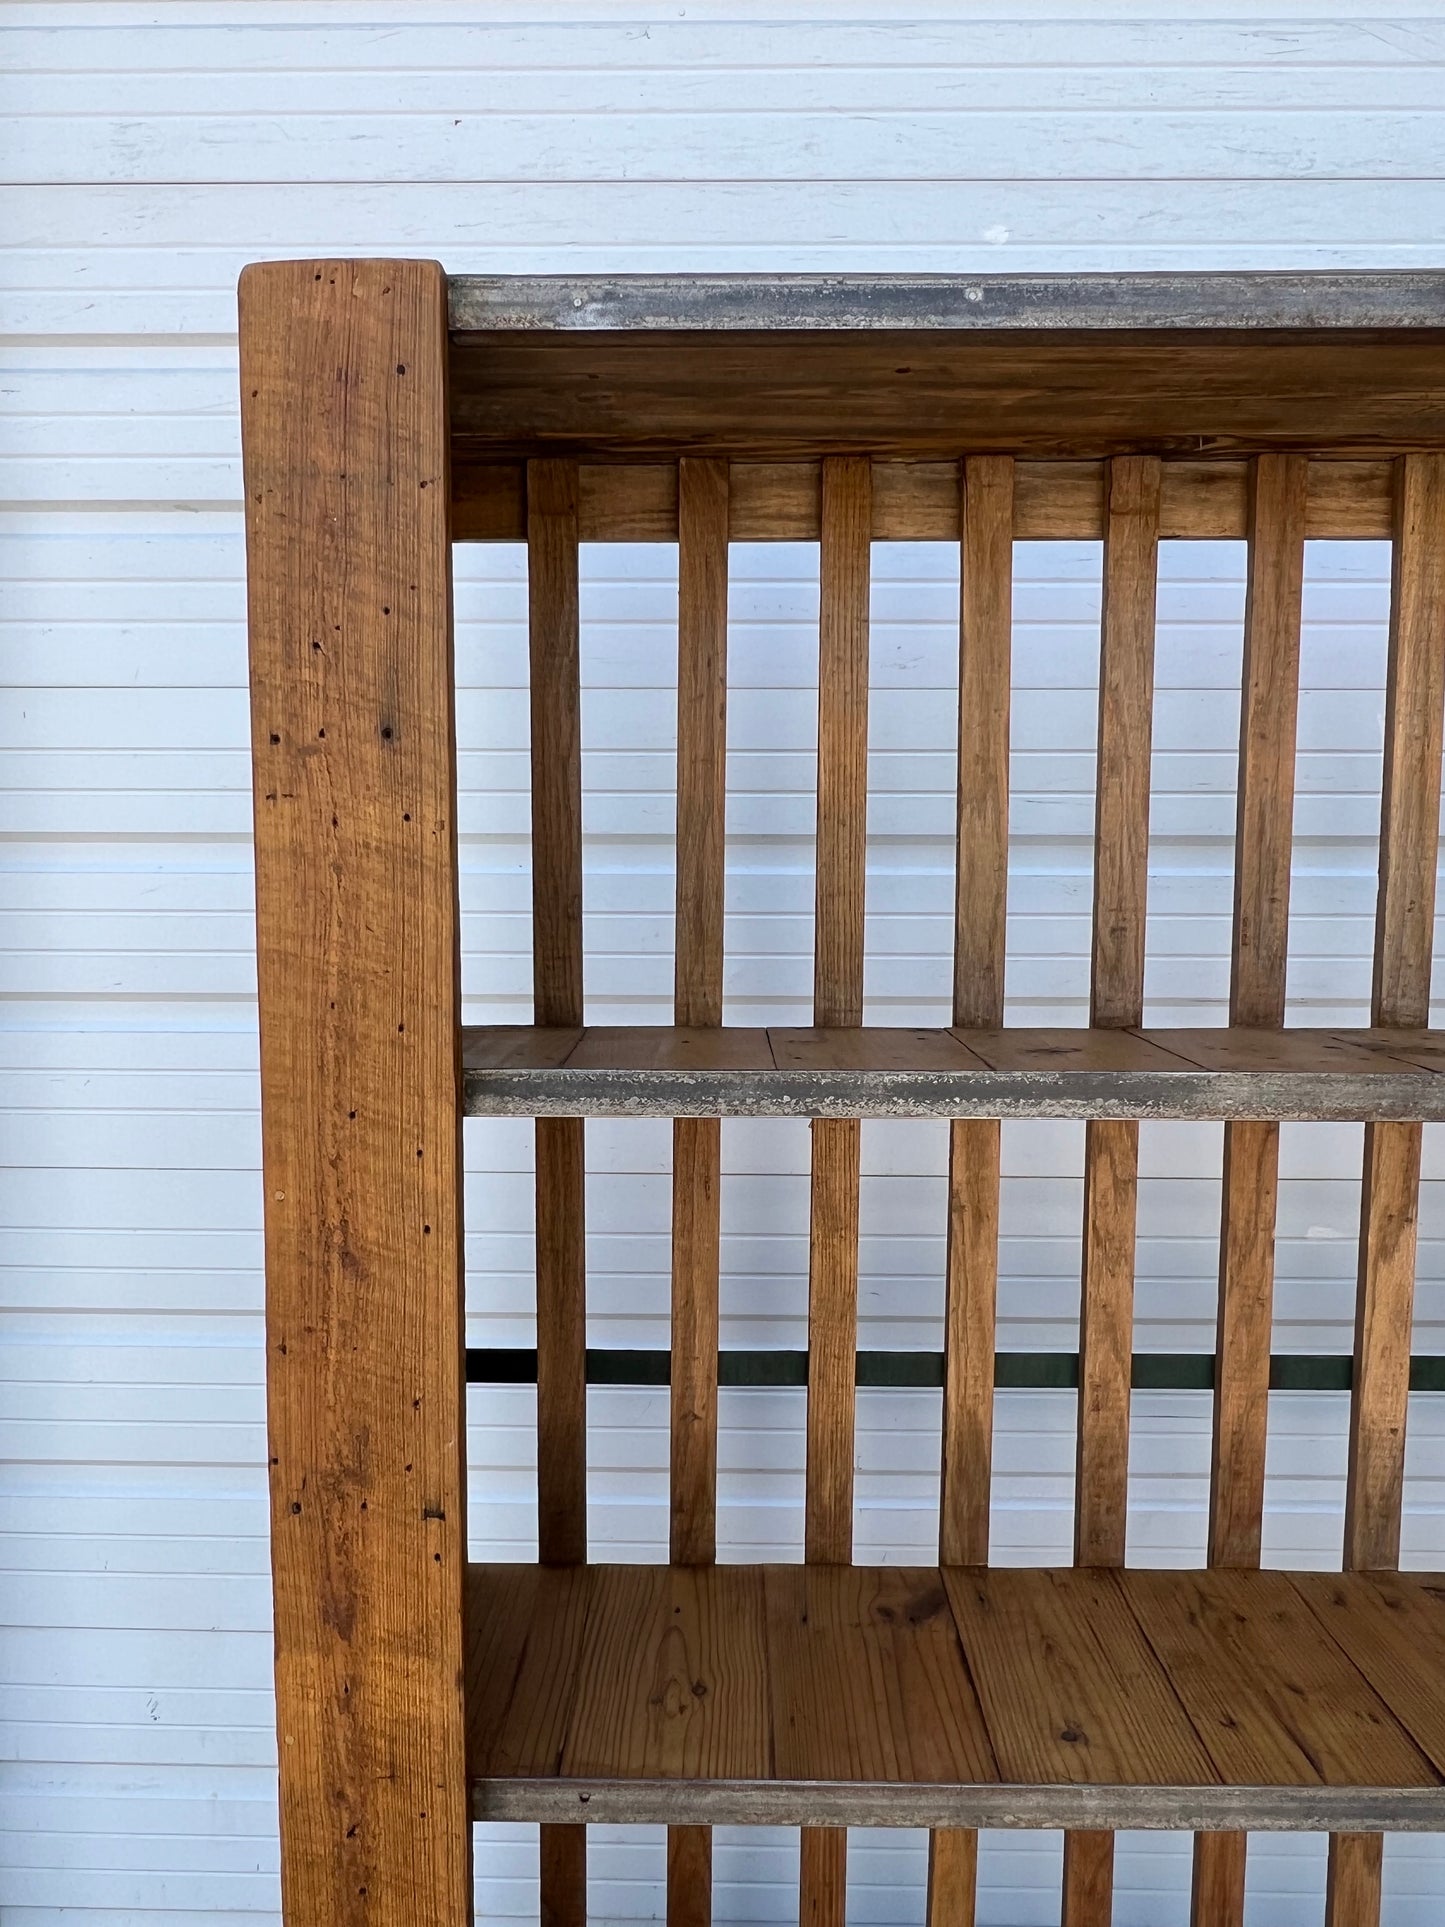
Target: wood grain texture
x=868 y=1678
x=1106 y=1342
x=1414 y=701
x=1409 y=844
x=835 y=1695
x=530 y=1738
x=702 y=618
x=1216 y=1892
x=1088 y=1898
x=931 y=393
x=672 y=1678
x=1069 y=1686
x=970 y=1317
x=1384 y=1309
x=1353 y=1880
x=697 y=1169
x=986 y=514
x=1392 y=1628
x=1243 y=1335
x=344 y=420
x=984 y=504
x=1125 y=739
x=952 y=1895
x=832 y=1340
x=1121 y=866
x=556 y=721
x=696 y=1189
x=1202 y=499
x=842 y=740
x=1270 y=1698
x=1116 y=1000
x=1269 y=708
x=822 y=1876
x=1277 y=524
x=689 y=1876
x=986 y=605
x=1404 y=926
x=560 y=1144
x=846 y=522
x=701 y=737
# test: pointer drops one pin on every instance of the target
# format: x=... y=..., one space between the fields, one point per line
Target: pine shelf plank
x=841 y=1695
x=893 y=1071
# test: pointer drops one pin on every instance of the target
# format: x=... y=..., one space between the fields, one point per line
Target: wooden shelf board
x=1020 y=1697
x=886 y=1071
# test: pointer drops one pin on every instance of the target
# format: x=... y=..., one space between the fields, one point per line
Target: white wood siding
x=154 y=149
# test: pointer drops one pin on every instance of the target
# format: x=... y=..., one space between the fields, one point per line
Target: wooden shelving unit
x=388 y=412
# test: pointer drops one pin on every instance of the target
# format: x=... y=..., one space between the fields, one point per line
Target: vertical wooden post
x=554 y=641
x=344 y=417
x=844 y=564
x=986 y=549
x=1116 y=1000
x=1263 y=847
x=1389 y=1201
x=702 y=627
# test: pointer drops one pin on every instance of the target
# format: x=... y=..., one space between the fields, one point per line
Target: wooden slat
x=969 y=1343
x=1415 y=691
x=986 y=511
x=1070 y=1688
x=1106 y=1341
x=1393 y=1631
x=844 y=573
x=501 y=1602
x=530 y=1738
x=553 y=625
x=1265 y=816
x=983 y=740
x=1271 y=1699
x=844 y=567
x=701 y=737
x=672 y=1679
x=344 y=418
x=1389 y=1203
x=1203 y=499
x=1121 y=862
x=1269 y=702
x=1409 y=841
x=1353 y=1881
x=868 y=1678
x=1116 y=999
x=1126 y=720
x=702 y=618
x=1384 y=1305
x=881 y=1047
x=879 y=1696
